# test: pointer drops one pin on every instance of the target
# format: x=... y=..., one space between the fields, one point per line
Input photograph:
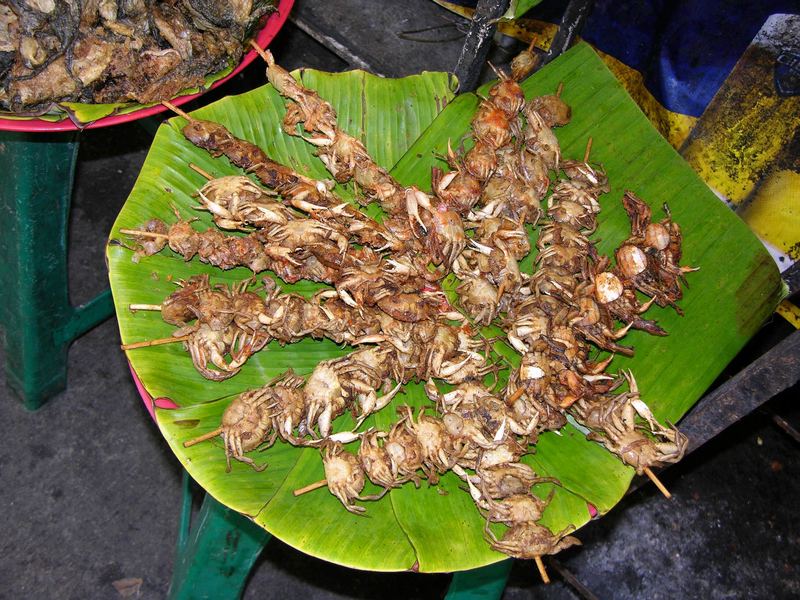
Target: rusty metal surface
x=773 y=372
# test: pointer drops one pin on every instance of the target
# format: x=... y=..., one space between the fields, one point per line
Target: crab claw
x=644 y=411
x=306 y=207
x=501 y=432
x=446 y=180
x=618 y=334
x=476 y=494
x=380 y=403
x=517 y=343
x=213 y=207
x=601 y=366
x=631 y=381
x=593 y=378
x=431 y=391
x=347 y=298
x=323 y=294
x=272 y=216
x=267 y=320
x=451 y=368
x=280 y=253
x=412 y=207
x=396 y=267
x=321 y=140
x=480 y=247
x=453 y=315
x=343 y=437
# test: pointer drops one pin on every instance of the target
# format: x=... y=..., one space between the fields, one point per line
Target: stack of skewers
x=385 y=298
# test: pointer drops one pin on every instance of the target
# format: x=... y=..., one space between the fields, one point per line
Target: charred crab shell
x=529 y=372
x=656 y=236
x=631 y=260
x=607 y=287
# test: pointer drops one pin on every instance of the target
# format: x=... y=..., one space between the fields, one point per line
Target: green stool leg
x=38 y=320
x=215 y=557
x=486 y=583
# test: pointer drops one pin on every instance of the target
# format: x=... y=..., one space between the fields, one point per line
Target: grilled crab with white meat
x=354 y=377
x=235 y=202
x=529 y=540
x=272 y=410
x=614 y=424
x=344 y=476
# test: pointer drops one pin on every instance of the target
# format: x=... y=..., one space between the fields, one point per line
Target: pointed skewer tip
x=141 y=233
x=176 y=110
x=657 y=482
x=542 y=570
x=515 y=396
x=135 y=307
x=157 y=342
x=310 y=487
x=201 y=171
x=261 y=52
x=203 y=438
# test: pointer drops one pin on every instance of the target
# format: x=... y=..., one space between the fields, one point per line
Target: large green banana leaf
x=436 y=529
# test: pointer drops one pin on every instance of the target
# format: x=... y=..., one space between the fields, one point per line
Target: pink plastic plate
x=264 y=37
x=150 y=403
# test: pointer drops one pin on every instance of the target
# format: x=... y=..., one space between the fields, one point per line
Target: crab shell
x=344 y=476
x=528 y=540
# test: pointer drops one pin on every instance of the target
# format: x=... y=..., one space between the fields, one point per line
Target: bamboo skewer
x=259 y=49
x=560 y=89
x=542 y=570
x=311 y=487
x=202 y=172
x=203 y=438
x=515 y=396
x=135 y=307
x=177 y=110
x=657 y=482
x=157 y=342
x=140 y=233
x=588 y=150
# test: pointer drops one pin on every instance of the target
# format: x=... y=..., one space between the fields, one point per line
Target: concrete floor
x=91 y=493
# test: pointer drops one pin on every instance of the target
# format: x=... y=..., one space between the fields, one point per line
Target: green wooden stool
x=35 y=312
x=215 y=555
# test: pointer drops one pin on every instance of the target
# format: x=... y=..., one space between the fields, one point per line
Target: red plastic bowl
x=264 y=37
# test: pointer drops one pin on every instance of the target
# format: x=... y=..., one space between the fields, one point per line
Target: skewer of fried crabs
x=300 y=192
x=426 y=222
